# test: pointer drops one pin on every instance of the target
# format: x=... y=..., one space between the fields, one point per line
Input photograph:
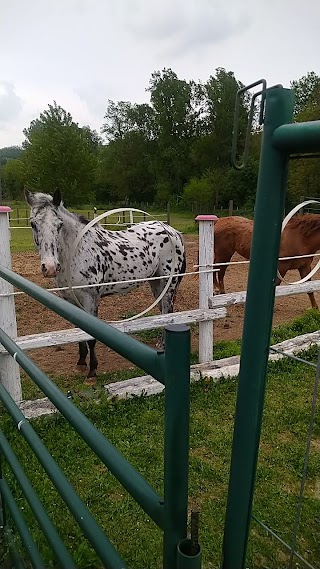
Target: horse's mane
x=306 y=224
x=43 y=200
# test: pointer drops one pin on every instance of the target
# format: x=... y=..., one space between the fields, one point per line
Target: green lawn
x=135 y=427
x=21 y=238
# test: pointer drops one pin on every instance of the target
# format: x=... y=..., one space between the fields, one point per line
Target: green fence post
x=176 y=450
x=257 y=330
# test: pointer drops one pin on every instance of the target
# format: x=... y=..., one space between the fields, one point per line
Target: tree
x=13 y=179
x=125 y=169
x=307 y=93
x=60 y=154
x=241 y=185
x=173 y=102
x=213 y=148
x=304 y=174
x=9 y=153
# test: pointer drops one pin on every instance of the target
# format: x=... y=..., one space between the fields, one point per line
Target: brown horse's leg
x=303 y=273
x=221 y=274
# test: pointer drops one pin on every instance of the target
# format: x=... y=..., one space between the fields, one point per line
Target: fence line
x=211 y=307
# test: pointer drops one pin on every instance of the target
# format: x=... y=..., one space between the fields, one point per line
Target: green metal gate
x=172 y=368
x=280 y=140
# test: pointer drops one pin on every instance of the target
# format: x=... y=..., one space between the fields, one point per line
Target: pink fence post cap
x=206 y=218
x=5 y=209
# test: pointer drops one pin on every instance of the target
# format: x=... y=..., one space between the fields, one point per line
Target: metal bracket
x=235 y=134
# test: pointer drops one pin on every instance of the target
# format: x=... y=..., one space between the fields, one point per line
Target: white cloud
x=82 y=52
x=10 y=103
x=184 y=26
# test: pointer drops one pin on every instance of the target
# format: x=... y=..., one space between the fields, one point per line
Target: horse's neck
x=70 y=230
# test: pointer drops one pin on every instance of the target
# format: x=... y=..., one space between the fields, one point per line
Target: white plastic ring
x=284 y=224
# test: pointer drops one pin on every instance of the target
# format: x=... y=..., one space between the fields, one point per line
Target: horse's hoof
x=81 y=367
x=90 y=381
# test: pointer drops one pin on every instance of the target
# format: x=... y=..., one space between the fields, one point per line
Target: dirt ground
x=33 y=318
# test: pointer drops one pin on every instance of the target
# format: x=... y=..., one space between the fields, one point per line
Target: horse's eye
x=33 y=225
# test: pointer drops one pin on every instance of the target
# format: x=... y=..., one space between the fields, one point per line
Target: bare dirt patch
x=33 y=318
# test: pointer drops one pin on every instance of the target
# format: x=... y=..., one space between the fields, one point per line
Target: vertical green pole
x=257 y=330
x=176 y=439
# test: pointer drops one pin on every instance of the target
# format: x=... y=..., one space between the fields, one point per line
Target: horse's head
x=46 y=221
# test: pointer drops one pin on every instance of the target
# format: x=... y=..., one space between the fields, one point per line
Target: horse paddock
x=34 y=318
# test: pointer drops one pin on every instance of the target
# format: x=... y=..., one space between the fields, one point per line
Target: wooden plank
x=74 y=335
x=216 y=370
x=231 y=298
x=146 y=385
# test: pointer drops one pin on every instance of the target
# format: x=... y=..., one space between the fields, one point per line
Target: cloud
x=182 y=26
x=10 y=103
x=96 y=94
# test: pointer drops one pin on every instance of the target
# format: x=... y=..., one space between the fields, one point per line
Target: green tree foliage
x=60 y=154
x=304 y=174
x=125 y=169
x=213 y=148
x=173 y=102
x=307 y=93
x=9 y=153
x=13 y=179
x=241 y=185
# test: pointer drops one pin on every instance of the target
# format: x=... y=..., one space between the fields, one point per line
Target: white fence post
x=206 y=255
x=9 y=369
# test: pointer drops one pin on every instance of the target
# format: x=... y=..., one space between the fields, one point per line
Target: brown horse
x=301 y=236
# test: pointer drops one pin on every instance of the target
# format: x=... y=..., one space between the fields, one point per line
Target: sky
x=80 y=53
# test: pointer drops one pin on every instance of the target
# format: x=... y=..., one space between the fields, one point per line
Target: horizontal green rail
x=120 y=467
x=44 y=521
x=80 y=512
x=19 y=522
x=297 y=137
x=138 y=353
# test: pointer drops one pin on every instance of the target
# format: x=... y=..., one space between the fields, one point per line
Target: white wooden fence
x=210 y=308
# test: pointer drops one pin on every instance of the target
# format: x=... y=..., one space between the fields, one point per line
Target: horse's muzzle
x=50 y=271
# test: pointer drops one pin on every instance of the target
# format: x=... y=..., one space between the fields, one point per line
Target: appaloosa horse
x=144 y=250
x=301 y=236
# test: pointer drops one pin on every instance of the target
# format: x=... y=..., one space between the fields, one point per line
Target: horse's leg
x=221 y=274
x=303 y=273
x=90 y=304
x=93 y=359
x=218 y=277
x=83 y=351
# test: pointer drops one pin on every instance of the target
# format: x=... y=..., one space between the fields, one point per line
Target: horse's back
x=232 y=234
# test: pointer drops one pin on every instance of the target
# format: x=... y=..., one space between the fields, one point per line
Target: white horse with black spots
x=142 y=251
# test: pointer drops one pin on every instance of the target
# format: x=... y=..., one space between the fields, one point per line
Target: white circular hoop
x=284 y=224
x=91 y=224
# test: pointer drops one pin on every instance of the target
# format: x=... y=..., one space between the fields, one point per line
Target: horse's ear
x=56 y=200
x=29 y=197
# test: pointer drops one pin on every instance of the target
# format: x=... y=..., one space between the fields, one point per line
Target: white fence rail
x=211 y=308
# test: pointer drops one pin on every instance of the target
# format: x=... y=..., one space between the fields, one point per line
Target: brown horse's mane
x=306 y=224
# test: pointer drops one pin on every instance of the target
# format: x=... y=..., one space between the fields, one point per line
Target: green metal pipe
x=138 y=353
x=297 y=137
x=176 y=447
x=45 y=523
x=26 y=537
x=80 y=512
x=16 y=558
x=257 y=330
x=120 y=467
x=186 y=559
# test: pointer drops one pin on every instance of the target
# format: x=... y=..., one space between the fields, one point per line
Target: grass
x=135 y=427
